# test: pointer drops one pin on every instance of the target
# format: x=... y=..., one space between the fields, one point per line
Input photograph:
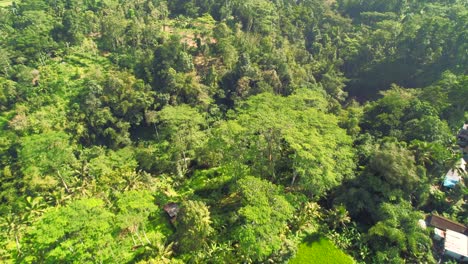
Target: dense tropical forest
x=229 y=131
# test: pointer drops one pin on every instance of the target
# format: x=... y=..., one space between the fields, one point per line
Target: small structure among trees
x=456 y=245
x=456 y=241
x=172 y=209
x=462 y=139
x=445 y=224
x=454 y=175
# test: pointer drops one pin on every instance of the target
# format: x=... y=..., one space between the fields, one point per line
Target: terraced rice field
x=317 y=249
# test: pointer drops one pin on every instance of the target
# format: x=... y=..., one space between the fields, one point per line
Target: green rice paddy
x=318 y=249
x=4 y=3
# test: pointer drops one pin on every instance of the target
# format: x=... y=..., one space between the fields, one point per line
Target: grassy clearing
x=4 y=3
x=317 y=249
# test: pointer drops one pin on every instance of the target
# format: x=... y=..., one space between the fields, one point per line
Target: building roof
x=456 y=242
x=447 y=224
x=439 y=232
x=454 y=176
x=462 y=137
x=462 y=164
x=172 y=209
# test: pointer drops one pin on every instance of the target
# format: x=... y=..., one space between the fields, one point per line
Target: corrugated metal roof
x=446 y=224
x=456 y=242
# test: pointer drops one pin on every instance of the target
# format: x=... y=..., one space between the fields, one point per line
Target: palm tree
x=34 y=208
x=338 y=216
x=13 y=225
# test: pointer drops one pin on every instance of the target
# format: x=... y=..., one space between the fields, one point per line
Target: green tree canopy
x=399 y=231
x=262 y=219
x=291 y=140
x=80 y=232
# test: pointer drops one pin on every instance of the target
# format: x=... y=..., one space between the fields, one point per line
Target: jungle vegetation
x=265 y=121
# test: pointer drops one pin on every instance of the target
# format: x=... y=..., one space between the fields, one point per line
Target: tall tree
x=262 y=219
x=81 y=231
x=290 y=140
x=193 y=226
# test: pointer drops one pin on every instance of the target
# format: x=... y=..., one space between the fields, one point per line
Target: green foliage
x=87 y=231
x=262 y=217
x=351 y=240
x=398 y=227
x=7 y=93
x=308 y=217
x=394 y=165
x=289 y=140
x=338 y=216
x=390 y=176
x=135 y=206
x=33 y=37
x=446 y=96
x=108 y=107
x=193 y=226
x=410 y=44
x=401 y=114
x=80 y=232
x=47 y=160
x=247 y=111
x=181 y=127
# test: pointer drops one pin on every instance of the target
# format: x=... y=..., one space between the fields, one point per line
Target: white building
x=456 y=245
